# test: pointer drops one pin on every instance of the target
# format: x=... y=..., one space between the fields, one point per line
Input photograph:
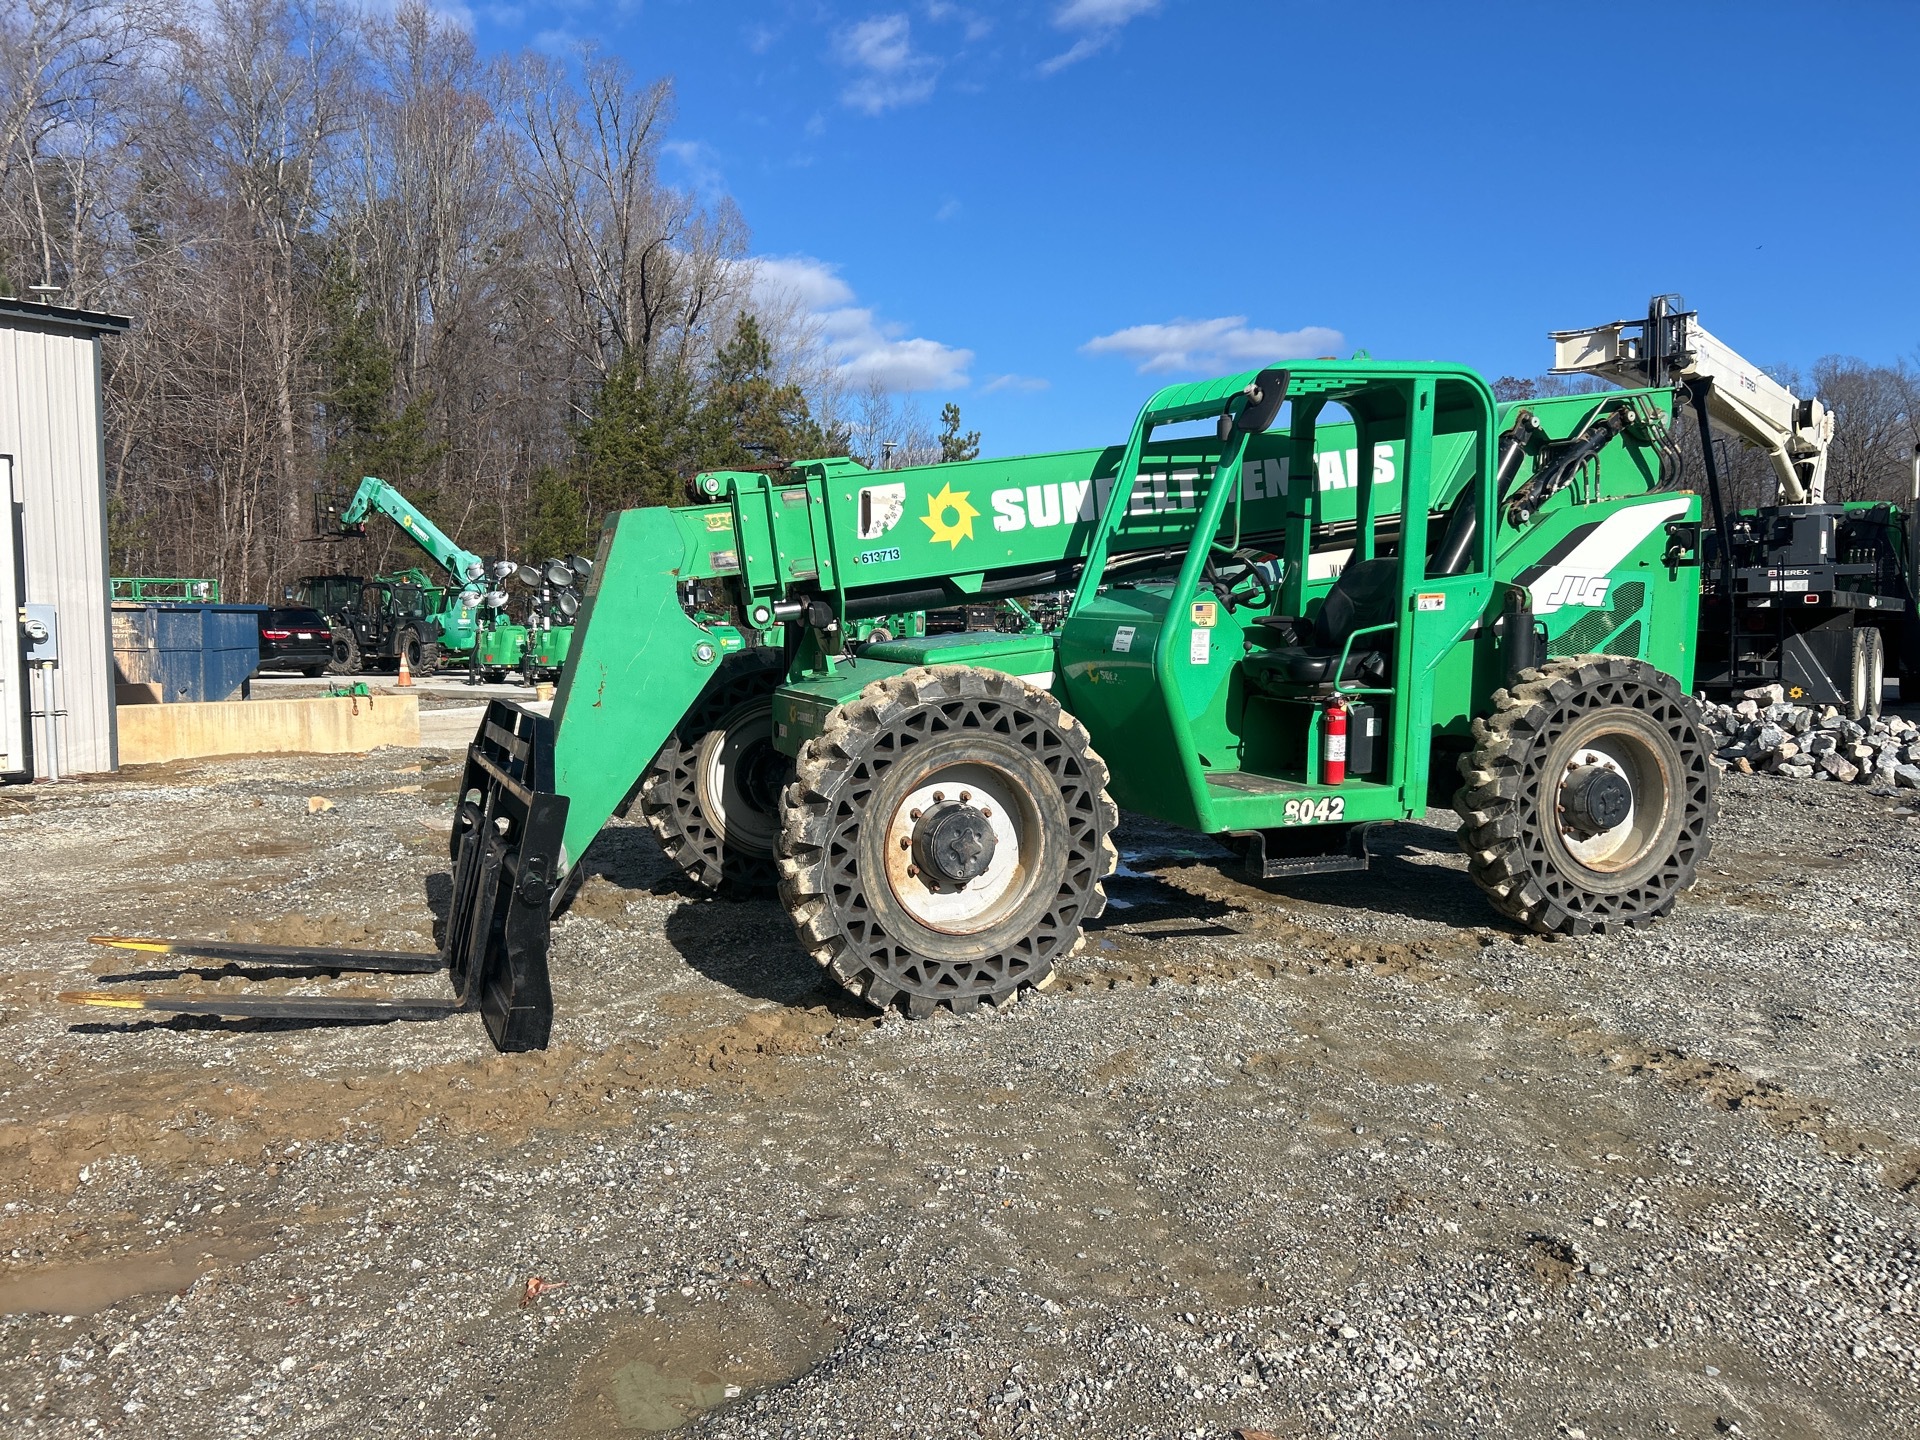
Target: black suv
x=296 y=639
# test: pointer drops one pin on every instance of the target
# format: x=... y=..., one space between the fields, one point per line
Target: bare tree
x=647 y=268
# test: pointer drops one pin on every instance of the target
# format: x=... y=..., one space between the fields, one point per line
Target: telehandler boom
x=1306 y=601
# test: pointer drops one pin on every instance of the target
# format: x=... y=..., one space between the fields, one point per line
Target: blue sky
x=1044 y=211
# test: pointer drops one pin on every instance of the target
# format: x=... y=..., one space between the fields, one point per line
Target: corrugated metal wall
x=50 y=422
x=13 y=670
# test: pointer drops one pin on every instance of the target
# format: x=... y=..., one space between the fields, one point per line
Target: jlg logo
x=1581 y=590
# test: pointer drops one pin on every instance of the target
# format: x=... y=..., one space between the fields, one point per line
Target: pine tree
x=632 y=449
x=749 y=420
x=556 y=518
x=954 y=445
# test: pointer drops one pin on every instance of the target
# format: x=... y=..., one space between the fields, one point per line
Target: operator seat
x=1305 y=651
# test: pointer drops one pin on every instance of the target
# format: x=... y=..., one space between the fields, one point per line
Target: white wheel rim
x=963 y=910
x=720 y=780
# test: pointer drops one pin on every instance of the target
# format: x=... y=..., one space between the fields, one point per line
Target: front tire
x=945 y=838
x=1588 y=796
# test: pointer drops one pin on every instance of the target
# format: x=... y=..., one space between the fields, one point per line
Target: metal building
x=56 y=645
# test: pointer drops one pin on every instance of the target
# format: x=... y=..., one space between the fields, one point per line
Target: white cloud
x=1023 y=384
x=862 y=347
x=895 y=74
x=1100 y=20
x=883 y=43
x=949 y=209
x=813 y=283
x=1090 y=14
x=973 y=25
x=1212 y=345
x=702 y=164
x=560 y=42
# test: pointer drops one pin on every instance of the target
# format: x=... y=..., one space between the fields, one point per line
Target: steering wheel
x=1245 y=577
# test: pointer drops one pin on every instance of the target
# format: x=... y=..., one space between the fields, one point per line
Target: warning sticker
x=718 y=520
x=1199 y=646
x=1123 y=640
x=1430 y=602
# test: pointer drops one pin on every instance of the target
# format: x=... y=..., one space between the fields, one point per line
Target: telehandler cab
x=1305 y=601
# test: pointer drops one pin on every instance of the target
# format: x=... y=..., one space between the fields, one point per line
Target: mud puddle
x=95 y=1285
x=674 y=1367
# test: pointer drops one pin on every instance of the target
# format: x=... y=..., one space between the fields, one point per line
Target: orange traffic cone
x=406 y=674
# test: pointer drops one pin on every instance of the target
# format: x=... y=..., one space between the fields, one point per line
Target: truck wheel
x=1588 y=796
x=346 y=653
x=1869 y=673
x=410 y=645
x=712 y=794
x=944 y=838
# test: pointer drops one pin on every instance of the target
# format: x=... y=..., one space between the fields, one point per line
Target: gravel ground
x=1341 y=1156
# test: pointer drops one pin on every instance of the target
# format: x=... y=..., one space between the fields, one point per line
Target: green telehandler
x=1305 y=601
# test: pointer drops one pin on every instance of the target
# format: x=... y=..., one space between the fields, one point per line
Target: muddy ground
x=1341 y=1156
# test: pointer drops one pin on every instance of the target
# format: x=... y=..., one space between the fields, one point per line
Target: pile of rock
x=1764 y=733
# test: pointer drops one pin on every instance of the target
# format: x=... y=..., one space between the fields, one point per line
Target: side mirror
x=1264 y=397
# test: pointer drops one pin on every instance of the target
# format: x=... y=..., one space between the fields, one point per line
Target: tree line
x=353 y=245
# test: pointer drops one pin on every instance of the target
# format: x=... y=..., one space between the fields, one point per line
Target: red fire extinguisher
x=1333 y=744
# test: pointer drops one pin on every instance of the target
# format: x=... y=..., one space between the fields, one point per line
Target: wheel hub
x=1595 y=804
x=954 y=843
x=1594 y=799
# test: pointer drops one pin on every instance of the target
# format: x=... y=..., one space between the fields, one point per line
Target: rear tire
x=712 y=794
x=346 y=653
x=945 y=838
x=1588 y=796
x=1869 y=673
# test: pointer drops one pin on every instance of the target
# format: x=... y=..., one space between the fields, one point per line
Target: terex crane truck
x=1810 y=595
x=1306 y=601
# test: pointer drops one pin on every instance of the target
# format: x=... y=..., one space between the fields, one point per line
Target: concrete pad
x=454 y=728
x=326 y=726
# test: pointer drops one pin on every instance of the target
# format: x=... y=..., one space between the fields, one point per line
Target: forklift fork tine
x=341 y=1010
x=314 y=958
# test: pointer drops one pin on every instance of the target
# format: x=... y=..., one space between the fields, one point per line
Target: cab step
x=1305 y=850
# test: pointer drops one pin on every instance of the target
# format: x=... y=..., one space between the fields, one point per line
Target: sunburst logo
x=949 y=516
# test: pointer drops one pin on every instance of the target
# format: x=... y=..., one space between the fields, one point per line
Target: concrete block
x=327 y=725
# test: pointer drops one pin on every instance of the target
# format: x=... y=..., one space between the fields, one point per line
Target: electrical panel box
x=40 y=624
